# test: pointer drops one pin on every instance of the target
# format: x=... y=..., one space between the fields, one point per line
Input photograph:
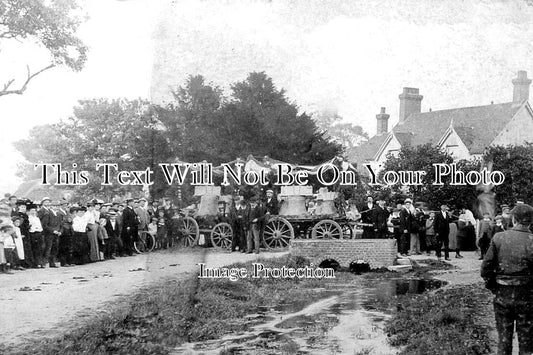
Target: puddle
x=349 y=320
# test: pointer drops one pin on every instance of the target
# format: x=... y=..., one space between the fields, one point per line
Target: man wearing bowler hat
x=129 y=226
x=508 y=271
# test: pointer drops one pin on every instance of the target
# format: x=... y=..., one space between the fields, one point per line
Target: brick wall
x=376 y=252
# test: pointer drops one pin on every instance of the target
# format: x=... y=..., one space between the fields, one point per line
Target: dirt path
x=44 y=303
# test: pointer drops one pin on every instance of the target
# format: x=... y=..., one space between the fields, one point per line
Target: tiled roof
x=477 y=126
x=366 y=151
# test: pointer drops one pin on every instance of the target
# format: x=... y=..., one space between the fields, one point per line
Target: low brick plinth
x=376 y=252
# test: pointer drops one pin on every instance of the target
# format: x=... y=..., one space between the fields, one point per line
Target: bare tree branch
x=23 y=88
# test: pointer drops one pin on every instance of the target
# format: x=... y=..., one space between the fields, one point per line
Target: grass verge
x=157 y=319
x=448 y=321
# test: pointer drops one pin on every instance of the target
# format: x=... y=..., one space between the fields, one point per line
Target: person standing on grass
x=508 y=271
x=409 y=226
x=442 y=232
x=431 y=241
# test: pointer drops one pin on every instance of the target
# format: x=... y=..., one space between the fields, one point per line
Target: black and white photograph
x=266 y=177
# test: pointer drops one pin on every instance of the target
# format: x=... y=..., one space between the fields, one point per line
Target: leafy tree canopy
x=51 y=25
x=422 y=158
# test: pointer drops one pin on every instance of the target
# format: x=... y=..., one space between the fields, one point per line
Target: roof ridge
x=462 y=108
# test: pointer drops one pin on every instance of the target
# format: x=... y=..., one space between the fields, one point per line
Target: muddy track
x=46 y=303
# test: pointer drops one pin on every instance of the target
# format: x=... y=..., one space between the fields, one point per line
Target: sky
x=350 y=57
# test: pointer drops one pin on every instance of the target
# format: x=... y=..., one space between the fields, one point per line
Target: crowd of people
x=418 y=229
x=58 y=233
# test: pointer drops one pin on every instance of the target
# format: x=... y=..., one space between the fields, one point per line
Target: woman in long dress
x=452 y=237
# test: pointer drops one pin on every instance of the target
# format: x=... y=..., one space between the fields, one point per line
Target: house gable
x=452 y=144
x=390 y=145
x=518 y=130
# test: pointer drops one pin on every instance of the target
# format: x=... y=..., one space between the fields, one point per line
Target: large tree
x=50 y=25
x=125 y=132
x=256 y=119
x=516 y=163
x=348 y=135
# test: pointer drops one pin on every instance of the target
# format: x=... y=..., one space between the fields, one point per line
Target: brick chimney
x=383 y=122
x=410 y=102
x=521 y=87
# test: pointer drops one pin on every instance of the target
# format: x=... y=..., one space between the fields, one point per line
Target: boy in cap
x=5 y=235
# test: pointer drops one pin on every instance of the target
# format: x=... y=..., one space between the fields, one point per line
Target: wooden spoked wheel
x=347 y=231
x=190 y=231
x=221 y=236
x=278 y=233
x=327 y=229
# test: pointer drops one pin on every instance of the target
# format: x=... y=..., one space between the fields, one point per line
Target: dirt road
x=44 y=303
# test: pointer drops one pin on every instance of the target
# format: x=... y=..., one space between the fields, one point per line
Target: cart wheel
x=347 y=231
x=327 y=229
x=190 y=231
x=278 y=233
x=221 y=236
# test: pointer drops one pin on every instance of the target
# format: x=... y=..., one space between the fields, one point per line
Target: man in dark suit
x=442 y=231
x=129 y=227
x=367 y=211
x=380 y=216
x=52 y=222
x=240 y=218
x=271 y=203
x=256 y=223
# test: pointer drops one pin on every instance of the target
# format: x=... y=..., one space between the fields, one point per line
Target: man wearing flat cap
x=508 y=271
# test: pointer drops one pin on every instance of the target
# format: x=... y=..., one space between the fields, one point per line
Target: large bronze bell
x=293 y=206
x=208 y=206
x=325 y=204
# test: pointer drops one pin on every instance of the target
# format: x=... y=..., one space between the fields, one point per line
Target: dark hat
x=90 y=204
x=523 y=214
x=5 y=227
x=73 y=210
x=128 y=200
x=12 y=196
x=15 y=218
x=498 y=217
x=82 y=208
x=63 y=202
x=111 y=213
x=22 y=202
x=107 y=204
x=32 y=206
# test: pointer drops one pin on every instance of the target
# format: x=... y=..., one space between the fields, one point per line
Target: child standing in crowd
x=103 y=239
x=36 y=237
x=19 y=246
x=498 y=227
x=485 y=234
x=431 y=241
x=5 y=236
x=152 y=228
x=162 y=235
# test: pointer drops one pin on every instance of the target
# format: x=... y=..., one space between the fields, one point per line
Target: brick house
x=463 y=132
